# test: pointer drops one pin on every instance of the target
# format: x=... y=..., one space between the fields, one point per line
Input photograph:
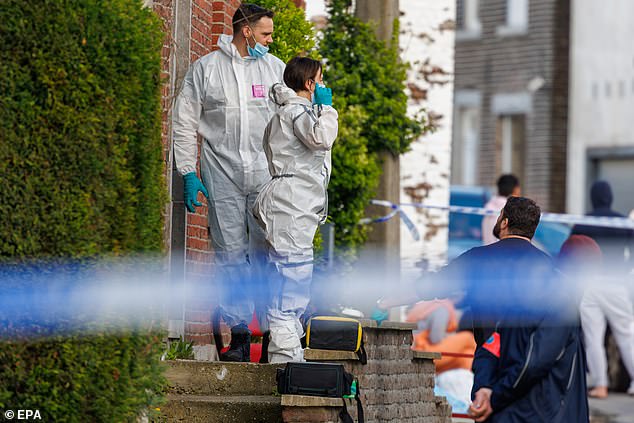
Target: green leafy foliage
x=80 y=129
x=365 y=71
x=367 y=79
x=355 y=176
x=180 y=349
x=293 y=34
x=103 y=377
x=82 y=177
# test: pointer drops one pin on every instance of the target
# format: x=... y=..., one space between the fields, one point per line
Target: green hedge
x=97 y=378
x=80 y=128
x=82 y=177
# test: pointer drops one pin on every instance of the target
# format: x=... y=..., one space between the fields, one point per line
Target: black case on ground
x=334 y=333
x=315 y=379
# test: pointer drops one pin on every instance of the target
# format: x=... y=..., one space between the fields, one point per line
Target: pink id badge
x=258 y=91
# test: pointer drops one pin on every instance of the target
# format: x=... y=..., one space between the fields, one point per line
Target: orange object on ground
x=456 y=342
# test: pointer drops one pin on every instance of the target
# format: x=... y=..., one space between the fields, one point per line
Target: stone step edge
x=217 y=399
x=310 y=401
x=427 y=355
x=387 y=325
x=182 y=362
x=314 y=354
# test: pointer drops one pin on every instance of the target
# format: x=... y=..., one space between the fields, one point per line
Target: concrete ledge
x=367 y=323
x=387 y=324
x=397 y=325
x=309 y=401
x=427 y=355
x=311 y=354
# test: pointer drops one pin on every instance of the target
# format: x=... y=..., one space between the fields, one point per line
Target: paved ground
x=617 y=408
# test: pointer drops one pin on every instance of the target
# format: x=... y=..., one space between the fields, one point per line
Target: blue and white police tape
x=395 y=210
x=608 y=222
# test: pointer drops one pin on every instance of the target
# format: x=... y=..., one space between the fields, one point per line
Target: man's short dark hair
x=523 y=215
x=249 y=14
x=299 y=70
x=506 y=184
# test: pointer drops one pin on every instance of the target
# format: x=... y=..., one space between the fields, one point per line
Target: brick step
x=189 y=377
x=222 y=409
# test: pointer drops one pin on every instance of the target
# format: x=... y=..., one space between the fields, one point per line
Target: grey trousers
x=602 y=305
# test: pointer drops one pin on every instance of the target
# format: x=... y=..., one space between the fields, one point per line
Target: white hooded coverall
x=297 y=142
x=224 y=99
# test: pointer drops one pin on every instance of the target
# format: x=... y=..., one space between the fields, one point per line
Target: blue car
x=465 y=230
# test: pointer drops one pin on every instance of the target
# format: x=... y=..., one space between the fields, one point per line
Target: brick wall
x=165 y=10
x=396 y=384
x=209 y=19
x=206 y=20
x=493 y=64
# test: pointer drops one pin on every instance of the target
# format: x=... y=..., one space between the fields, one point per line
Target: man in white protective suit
x=290 y=207
x=224 y=99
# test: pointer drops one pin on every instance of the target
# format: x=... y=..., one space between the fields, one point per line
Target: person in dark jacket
x=612 y=241
x=531 y=367
x=529 y=364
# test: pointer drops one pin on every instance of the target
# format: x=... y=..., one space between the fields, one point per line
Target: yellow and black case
x=336 y=333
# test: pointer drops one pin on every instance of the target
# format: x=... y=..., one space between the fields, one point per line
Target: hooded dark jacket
x=536 y=373
x=534 y=363
x=612 y=241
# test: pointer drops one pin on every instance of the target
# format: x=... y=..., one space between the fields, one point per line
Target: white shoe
x=630 y=390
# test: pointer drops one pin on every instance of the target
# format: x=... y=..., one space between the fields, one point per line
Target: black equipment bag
x=336 y=333
x=316 y=379
x=322 y=380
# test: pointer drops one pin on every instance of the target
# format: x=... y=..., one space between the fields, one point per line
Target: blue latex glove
x=379 y=315
x=323 y=95
x=192 y=186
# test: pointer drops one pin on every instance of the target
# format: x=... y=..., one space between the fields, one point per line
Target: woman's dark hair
x=523 y=215
x=249 y=14
x=299 y=70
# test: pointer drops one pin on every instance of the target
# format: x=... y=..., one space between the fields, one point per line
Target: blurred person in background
x=438 y=331
x=605 y=301
x=616 y=243
x=508 y=185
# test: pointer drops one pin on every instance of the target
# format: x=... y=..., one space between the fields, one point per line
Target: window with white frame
x=516 y=18
x=472 y=15
x=511 y=144
x=466 y=145
x=471 y=26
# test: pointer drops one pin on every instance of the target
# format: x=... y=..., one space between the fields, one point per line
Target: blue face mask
x=258 y=51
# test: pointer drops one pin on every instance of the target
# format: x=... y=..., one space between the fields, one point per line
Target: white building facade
x=601 y=114
x=427 y=43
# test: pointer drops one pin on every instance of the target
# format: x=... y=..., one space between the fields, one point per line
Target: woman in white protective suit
x=297 y=143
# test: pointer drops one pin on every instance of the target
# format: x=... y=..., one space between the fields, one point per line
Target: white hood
x=225 y=43
x=280 y=94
